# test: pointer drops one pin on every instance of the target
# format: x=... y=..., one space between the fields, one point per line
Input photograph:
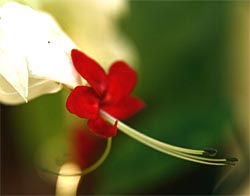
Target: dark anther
x=210 y=152
x=232 y=159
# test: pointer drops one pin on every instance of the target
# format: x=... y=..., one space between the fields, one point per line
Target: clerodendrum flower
x=32 y=50
x=110 y=93
x=108 y=99
x=33 y=47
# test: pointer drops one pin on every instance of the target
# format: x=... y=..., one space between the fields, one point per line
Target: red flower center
x=109 y=92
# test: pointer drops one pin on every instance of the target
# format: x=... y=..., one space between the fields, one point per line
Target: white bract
x=34 y=55
x=94 y=26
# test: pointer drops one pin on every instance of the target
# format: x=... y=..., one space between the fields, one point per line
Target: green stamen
x=179 y=152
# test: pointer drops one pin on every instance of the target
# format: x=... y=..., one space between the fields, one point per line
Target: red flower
x=109 y=92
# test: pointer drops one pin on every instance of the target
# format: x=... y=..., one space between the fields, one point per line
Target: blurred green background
x=193 y=75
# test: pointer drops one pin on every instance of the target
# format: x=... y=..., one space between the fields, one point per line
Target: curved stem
x=91 y=168
x=101 y=160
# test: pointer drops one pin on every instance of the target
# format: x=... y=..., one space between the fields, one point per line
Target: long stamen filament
x=135 y=134
x=179 y=152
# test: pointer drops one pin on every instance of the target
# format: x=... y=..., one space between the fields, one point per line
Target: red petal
x=90 y=70
x=83 y=102
x=125 y=108
x=102 y=128
x=121 y=81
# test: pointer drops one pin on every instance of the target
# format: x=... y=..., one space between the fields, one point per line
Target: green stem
x=90 y=169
